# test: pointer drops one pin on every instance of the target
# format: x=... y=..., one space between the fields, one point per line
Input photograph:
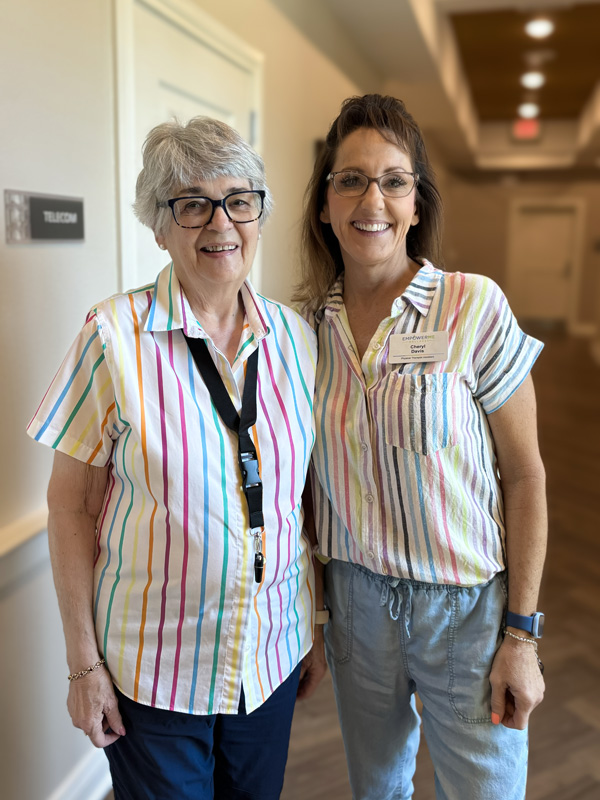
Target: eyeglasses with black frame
x=196 y=211
x=350 y=183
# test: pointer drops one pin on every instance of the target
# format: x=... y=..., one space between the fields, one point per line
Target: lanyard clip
x=249 y=468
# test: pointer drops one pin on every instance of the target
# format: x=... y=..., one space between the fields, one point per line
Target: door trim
x=575 y=204
x=187 y=16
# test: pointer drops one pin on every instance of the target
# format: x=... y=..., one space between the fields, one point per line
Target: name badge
x=406 y=348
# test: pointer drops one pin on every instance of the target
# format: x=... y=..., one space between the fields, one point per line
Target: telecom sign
x=39 y=217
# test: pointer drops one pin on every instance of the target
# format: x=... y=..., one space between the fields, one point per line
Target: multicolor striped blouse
x=179 y=618
x=406 y=474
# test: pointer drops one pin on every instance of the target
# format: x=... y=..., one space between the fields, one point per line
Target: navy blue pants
x=167 y=755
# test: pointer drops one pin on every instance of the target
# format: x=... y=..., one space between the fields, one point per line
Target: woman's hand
x=93 y=707
x=314 y=666
x=517 y=684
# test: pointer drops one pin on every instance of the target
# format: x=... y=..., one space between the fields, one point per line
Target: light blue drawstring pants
x=388 y=638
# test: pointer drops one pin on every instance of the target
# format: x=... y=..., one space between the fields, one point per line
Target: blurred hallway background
x=565 y=729
x=80 y=86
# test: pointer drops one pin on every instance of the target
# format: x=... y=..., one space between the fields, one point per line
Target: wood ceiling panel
x=494 y=45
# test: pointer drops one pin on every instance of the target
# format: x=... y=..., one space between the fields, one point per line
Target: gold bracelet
x=76 y=675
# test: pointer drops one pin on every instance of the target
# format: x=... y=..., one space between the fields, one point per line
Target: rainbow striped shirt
x=405 y=475
x=179 y=618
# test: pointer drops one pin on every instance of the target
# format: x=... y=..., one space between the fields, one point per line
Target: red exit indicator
x=526 y=130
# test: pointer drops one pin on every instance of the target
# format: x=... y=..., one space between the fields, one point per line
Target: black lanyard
x=239 y=424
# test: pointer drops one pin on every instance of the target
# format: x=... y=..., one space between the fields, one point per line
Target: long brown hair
x=321 y=255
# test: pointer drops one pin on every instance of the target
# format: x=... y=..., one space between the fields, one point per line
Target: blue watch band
x=533 y=624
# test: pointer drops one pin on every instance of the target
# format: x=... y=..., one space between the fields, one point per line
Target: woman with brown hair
x=429 y=491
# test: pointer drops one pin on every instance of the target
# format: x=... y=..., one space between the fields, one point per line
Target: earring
x=162 y=246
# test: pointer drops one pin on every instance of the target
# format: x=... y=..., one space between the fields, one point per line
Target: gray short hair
x=177 y=155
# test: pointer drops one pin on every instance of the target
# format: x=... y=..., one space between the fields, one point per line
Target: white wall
x=57 y=138
x=317 y=21
x=57 y=104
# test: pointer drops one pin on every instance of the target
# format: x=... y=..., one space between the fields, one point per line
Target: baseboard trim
x=89 y=780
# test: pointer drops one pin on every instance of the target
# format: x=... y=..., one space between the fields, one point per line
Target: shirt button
x=364 y=446
x=370 y=554
x=369 y=498
x=384 y=569
x=377 y=346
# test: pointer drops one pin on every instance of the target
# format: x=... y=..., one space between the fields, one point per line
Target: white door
x=544 y=259
x=182 y=64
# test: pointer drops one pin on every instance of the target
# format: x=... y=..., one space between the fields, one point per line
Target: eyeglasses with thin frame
x=195 y=211
x=349 y=183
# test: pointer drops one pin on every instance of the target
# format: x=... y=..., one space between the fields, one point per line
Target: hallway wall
x=57 y=137
x=477 y=227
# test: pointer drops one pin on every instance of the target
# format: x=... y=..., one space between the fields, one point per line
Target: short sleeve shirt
x=179 y=618
x=406 y=478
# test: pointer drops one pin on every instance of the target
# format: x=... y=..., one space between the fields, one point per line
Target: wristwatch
x=533 y=624
x=322 y=616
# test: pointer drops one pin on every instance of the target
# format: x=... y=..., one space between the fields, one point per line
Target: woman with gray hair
x=182 y=423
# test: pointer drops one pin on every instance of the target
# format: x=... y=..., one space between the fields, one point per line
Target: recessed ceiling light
x=528 y=110
x=533 y=80
x=539 y=28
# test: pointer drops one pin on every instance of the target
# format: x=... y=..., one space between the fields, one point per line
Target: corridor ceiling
x=457 y=64
x=496 y=51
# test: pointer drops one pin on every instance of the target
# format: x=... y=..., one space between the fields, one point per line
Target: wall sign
x=42 y=217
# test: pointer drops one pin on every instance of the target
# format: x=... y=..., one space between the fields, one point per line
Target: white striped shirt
x=179 y=618
x=406 y=473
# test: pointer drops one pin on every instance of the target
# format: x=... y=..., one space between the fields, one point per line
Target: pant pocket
x=339 y=581
x=474 y=637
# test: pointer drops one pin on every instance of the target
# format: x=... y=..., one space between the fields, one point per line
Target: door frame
x=575 y=204
x=187 y=16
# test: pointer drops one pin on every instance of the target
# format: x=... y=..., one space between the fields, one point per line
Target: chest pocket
x=421 y=411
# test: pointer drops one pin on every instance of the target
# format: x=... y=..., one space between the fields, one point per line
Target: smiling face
x=221 y=252
x=371 y=229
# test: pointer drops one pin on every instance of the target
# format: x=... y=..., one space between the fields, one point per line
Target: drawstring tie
x=393 y=592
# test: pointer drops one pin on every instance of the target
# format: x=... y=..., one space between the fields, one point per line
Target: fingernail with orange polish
x=495 y=718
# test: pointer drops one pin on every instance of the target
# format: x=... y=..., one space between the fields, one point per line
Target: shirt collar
x=334 y=301
x=419 y=293
x=170 y=309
